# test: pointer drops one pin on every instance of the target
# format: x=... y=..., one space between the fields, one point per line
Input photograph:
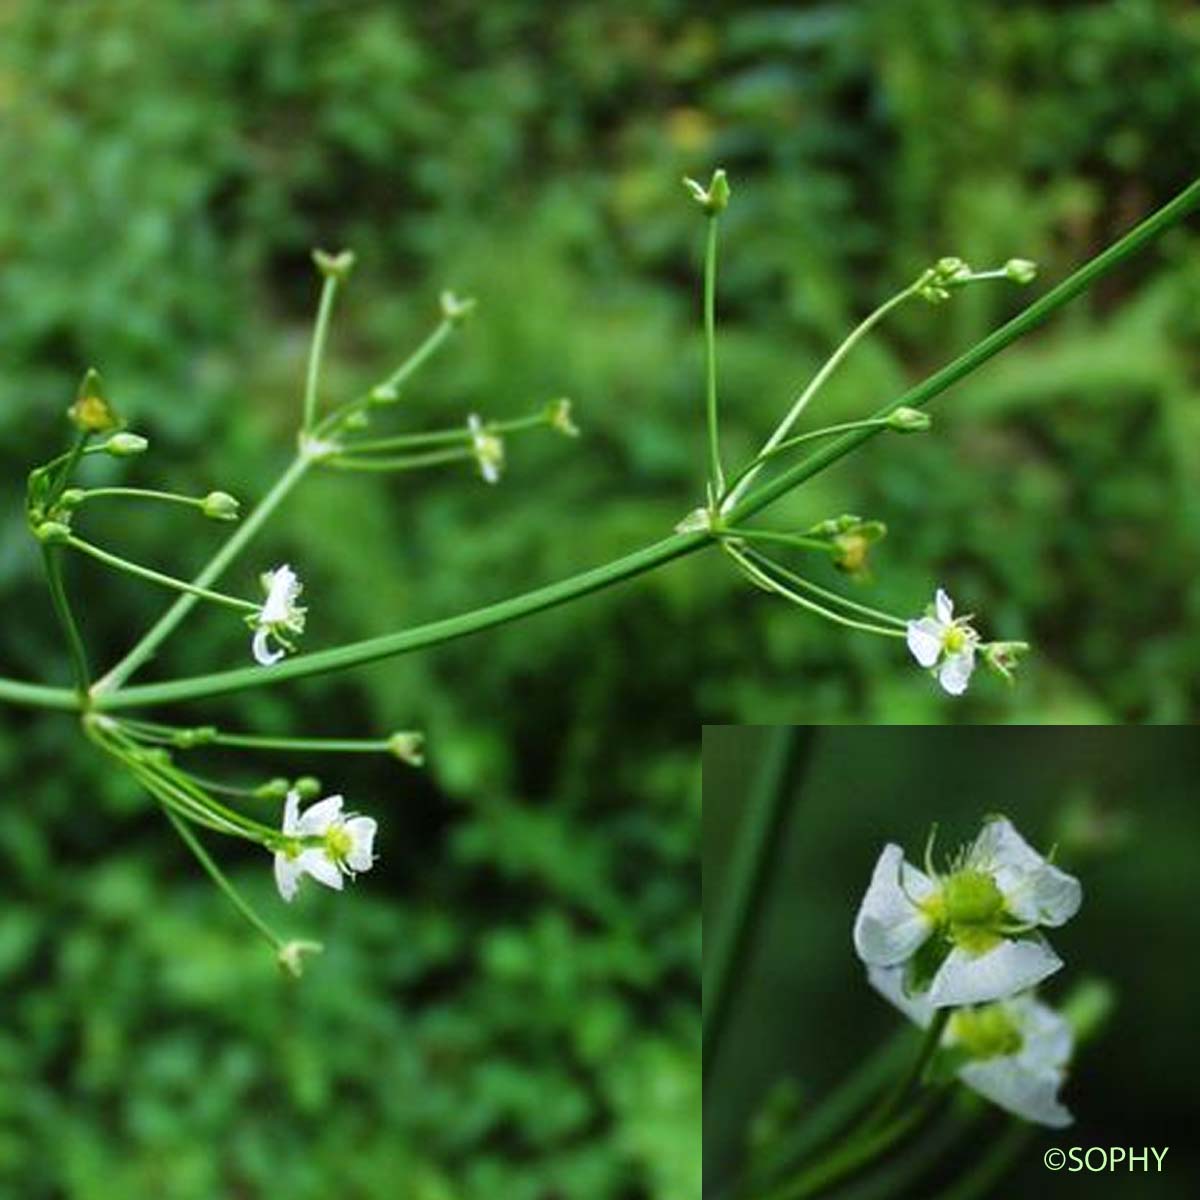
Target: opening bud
x=91 y=411
x=125 y=445
x=558 y=417
x=1002 y=658
x=456 y=309
x=713 y=199
x=334 y=266
x=220 y=506
x=408 y=747
x=291 y=956
x=909 y=420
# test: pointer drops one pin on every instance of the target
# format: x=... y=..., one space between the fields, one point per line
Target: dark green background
x=803 y=1009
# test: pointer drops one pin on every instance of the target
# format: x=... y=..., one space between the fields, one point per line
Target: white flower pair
x=969 y=937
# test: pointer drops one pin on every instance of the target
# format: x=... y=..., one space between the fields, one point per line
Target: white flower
x=967 y=936
x=1016 y=1050
x=279 y=617
x=945 y=643
x=488 y=450
x=323 y=843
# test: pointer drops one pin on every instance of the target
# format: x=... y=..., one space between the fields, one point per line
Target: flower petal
x=261 y=648
x=1048 y=1038
x=955 y=672
x=925 y=640
x=889 y=983
x=316 y=821
x=943 y=606
x=362 y=838
x=291 y=809
x=287 y=875
x=1011 y=967
x=318 y=864
x=1032 y=1095
x=889 y=927
x=1034 y=890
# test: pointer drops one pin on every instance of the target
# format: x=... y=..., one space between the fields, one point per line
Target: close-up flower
x=322 y=842
x=945 y=644
x=280 y=616
x=1013 y=1052
x=967 y=935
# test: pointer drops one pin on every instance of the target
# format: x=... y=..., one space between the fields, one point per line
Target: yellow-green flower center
x=338 y=843
x=986 y=1032
x=954 y=639
x=972 y=898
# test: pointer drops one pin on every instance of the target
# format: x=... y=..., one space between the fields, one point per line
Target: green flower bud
x=71 y=497
x=1020 y=270
x=125 y=445
x=52 y=533
x=714 y=199
x=334 y=266
x=909 y=420
x=408 y=747
x=220 y=506
x=456 y=309
x=91 y=411
x=273 y=789
x=356 y=420
x=309 y=787
x=385 y=393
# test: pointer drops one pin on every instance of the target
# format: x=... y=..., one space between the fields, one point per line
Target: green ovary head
x=972 y=898
x=986 y=1032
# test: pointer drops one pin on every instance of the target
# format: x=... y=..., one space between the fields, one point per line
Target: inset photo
x=941 y=965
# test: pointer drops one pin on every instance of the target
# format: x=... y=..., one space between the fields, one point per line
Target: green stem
x=795 y=540
x=255 y=742
x=442 y=437
x=1033 y=316
x=848 y=1159
x=754 y=853
x=758 y=570
x=776 y=439
x=716 y=476
x=408 y=640
x=62 y=607
x=980 y=1179
x=395 y=380
x=141 y=493
x=218 y=877
x=71 y=459
x=912 y=1077
x=316 y=354
x=36 y=695
x=407 y=462
x=812 y=436
x=167 y=623
x=152 y=576
x=836 y=598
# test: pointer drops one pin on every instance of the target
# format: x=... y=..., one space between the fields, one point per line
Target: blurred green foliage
x=1119 y=805
x=508 y=1005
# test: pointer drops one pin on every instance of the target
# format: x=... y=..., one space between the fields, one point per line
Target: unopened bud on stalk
x=125 y=445
x=334 y=266
x=220 y=506
x=91 y=411
x=52 y=533
x=909 y=420
x=308 y=787
x=385 y=393
x=408 y=747
x=273 y=789
x=714 y=199
x=456 y=309
x=1020 y=270
x=71 y=497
